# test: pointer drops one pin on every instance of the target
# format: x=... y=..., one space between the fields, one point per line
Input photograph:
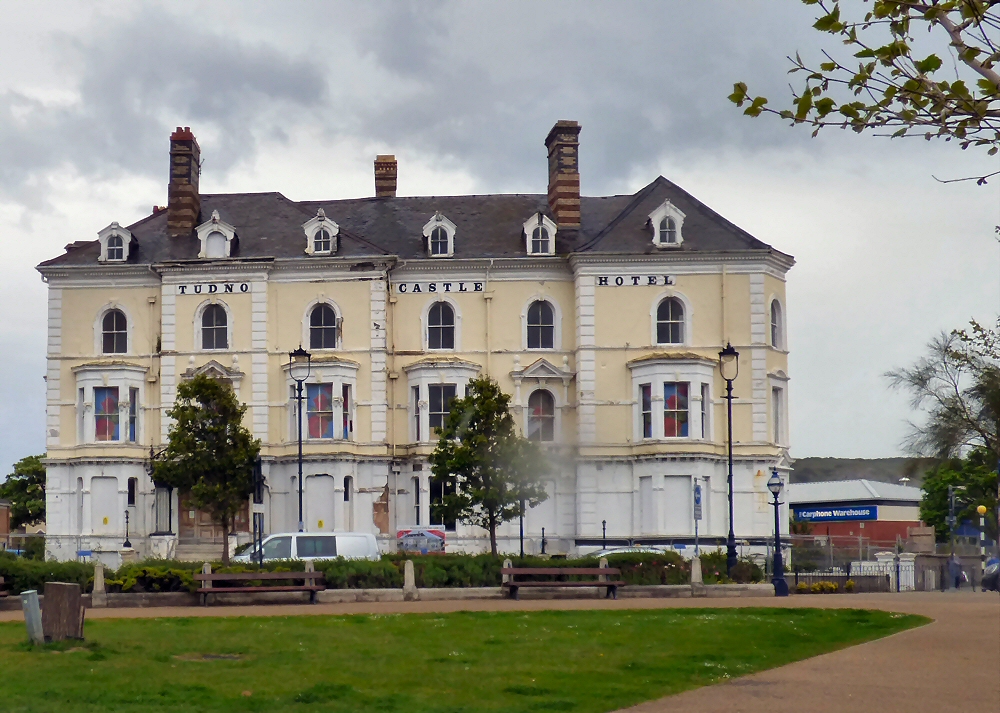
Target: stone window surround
x=657 y=371
x=99 y=330
x=423 y=373
x=539 y=220
x=121 y=374
x=325 y=370
x=667 y=210
x=306 y=333
x=440 y=221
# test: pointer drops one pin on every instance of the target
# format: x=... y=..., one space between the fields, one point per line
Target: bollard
x=99 y=595
x=409 y=582
x=310 y=567
x=32 y=616
x=507 y=564
x=696 y=570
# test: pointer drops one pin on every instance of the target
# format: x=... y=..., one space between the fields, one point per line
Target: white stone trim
x=759 y=325
x=586 y=358
x=378 y=409
x=53 y=373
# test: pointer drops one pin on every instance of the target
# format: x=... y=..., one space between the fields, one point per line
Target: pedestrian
x=955 y=570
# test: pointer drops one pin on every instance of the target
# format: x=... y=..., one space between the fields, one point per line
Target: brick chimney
x=563 y=143
x=183 y=198
x=385 y=176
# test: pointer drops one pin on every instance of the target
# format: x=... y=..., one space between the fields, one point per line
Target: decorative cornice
x=435 y=361
x=109 y=364
x=670 y=356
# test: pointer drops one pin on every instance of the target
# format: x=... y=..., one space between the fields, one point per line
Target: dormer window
x=115 y=243
x=440 y=235
x=216 y=237
x=540 y=235
x=116 y=248
x=666 y=222
x=321 y=234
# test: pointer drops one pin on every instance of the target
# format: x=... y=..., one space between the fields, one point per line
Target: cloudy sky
x=298 y=97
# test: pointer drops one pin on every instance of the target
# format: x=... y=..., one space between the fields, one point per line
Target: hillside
x=885 y=470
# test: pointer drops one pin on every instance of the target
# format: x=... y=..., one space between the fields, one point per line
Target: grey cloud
x=138 y=78
x=483 y=83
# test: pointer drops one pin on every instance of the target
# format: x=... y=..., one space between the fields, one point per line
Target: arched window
x=322 y=241
x=668 y=230
x=114 y=329
x=322 y=327
x=439 y=241
x=776 y=336
x=541 y=325
x=441 y=326
x=540 y=241
x=214 y=328
x=670 y=322
x=215 y=245
x=541 y=416
x=116 y=248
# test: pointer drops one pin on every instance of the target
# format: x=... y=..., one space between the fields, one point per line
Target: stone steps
x=199 y=553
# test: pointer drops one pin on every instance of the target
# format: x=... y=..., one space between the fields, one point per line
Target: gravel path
x=951 y=664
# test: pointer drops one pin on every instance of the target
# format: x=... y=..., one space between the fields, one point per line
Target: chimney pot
x=183 y=197
x=563 y=144
x=385 y=176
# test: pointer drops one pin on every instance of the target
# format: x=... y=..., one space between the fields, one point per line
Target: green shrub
x=849 y=585
x=21 y=574
x=816 y=588
x=802 y=588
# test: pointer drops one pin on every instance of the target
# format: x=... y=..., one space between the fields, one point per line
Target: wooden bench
x=3 y=592
x=512 y=585
x=312 y=582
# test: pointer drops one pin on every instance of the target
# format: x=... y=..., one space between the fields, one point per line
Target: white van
x=315 y=546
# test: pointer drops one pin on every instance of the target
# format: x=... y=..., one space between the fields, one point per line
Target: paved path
x=952 y=664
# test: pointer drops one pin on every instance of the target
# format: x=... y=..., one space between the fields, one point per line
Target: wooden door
x=197 y=526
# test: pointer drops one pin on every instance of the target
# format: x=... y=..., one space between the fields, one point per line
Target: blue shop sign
x=860 y=512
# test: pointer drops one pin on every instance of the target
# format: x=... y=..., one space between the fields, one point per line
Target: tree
x=487 y=470
x=974 y=481
x=889 y=84
x=209 y=453
x=25 y=489
x=958 y=384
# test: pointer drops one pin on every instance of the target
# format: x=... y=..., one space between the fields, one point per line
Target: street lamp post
x=299 y=368
x=729 y=367
x=604 y=534
x=982 y=540
x=126 y=544
x=778 y=580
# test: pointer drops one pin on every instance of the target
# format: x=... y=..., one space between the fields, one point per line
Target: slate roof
x=848 y=491
x=269 y=225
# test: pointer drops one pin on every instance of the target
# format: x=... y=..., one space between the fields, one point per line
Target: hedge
x=452 y=570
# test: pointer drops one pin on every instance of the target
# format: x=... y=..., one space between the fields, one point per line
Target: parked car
x=991 y=578
x=315 y=546
x=634 y=550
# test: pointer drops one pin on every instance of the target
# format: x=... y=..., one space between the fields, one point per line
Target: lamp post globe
x=299 y=369
x=774 y=484
x=729 y=368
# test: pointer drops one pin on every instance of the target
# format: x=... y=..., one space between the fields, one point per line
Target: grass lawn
x=415 y=663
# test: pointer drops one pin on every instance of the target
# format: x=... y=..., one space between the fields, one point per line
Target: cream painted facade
x=613 y=463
